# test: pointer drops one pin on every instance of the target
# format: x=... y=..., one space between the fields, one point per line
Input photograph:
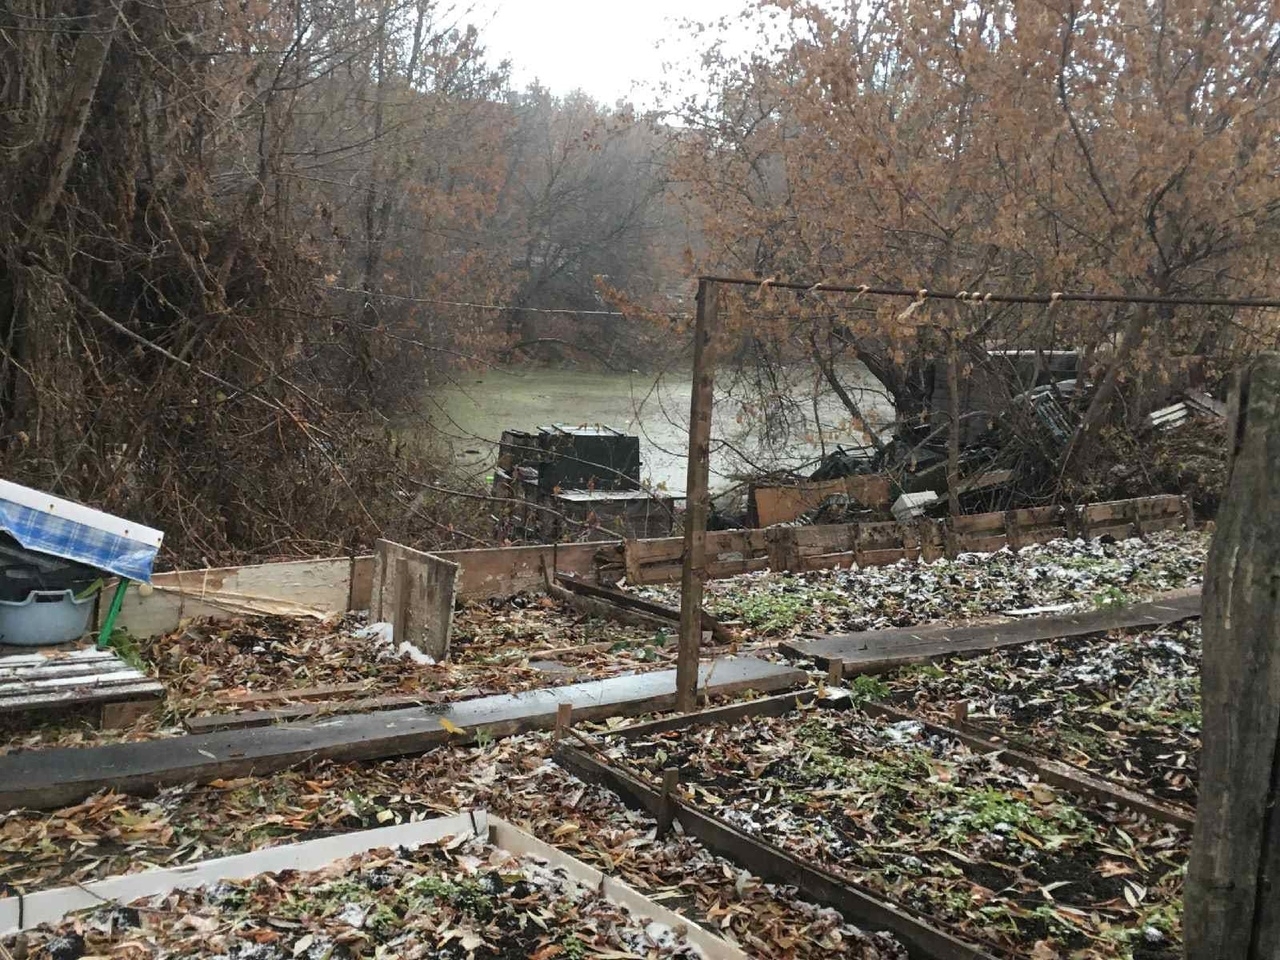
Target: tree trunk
x=1135 y=333
x=1232 y=892
x=17 y=391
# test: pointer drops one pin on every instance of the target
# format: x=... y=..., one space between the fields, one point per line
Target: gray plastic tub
x=44 y=618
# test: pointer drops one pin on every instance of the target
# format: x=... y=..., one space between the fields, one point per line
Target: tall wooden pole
x=1232 y=909
x=697 y=500
x=953 y=427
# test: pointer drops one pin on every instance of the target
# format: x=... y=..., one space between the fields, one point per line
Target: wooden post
x=953 y=426
x=667 y=806
x=564 y=720
x=835 y=671
x=697 y=500
x=1232 y=909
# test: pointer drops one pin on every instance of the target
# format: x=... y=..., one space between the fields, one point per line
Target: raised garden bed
x=1004 y=861
x=1125 y=706
x=513 y=778
x=457 y=898
x=970 y=587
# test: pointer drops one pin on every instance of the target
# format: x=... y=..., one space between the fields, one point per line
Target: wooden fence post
x=1232 y=909
x=697 y=500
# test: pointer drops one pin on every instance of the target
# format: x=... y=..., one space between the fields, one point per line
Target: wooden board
x=295 y=588
x=415 y=592
x=38 y=684
x=53 y=778
x=632 y=603
x=728 y=553
x=876 y=650
x=772 y=505
x=244 y=719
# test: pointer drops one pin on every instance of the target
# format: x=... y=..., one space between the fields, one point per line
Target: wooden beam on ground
x=697 y=499
x=877 y=650
x=1232 y=907
x=48 y=779
x=648 y=607
x=244 y=719
x=858 y=905
x=241 y=699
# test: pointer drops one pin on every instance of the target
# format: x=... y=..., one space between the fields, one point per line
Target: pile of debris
x=1018 y=416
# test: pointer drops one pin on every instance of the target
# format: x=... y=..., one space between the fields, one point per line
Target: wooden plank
x=858 y=905
x=706 y=944
x=293 y=588
x=875 y=650
x=102 y=678
x=135 y=690
x=243 y=720
x=697 y=498
x=774 y=505
x=494 y=572
x=416 y=590
x=275 y=696
x=81 y=655
x=625 y=600
x=70 y=668
x=1233 y=883
x=360 y=589
x=53 y=778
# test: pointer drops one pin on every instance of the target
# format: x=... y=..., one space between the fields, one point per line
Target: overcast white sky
x=604 y=47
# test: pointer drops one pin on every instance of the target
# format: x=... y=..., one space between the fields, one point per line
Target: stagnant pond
x=805 y=418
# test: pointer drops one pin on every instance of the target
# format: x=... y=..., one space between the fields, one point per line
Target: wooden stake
x=960 y=712
x=667 y=806
x=835 y=671
x=697 y=500
x=1232 y=907
x=564 y=719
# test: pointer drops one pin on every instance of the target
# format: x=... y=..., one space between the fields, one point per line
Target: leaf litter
x=957 y=836
x=1126 y=706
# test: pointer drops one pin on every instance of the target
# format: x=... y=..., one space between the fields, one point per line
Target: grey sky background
x=611 y=49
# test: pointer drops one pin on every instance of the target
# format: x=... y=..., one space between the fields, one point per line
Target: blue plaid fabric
x=37 y=530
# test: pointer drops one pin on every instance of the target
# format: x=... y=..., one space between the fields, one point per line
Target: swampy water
x=472 y=411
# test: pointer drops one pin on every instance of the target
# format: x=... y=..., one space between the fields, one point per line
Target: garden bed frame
x=325 y=587
x=857 y=904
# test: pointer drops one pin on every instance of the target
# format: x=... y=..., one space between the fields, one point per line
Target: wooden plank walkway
x=876 y=650
x=49 y=779
x=39 y=683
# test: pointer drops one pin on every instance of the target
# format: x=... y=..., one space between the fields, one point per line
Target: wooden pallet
x=84 y=680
